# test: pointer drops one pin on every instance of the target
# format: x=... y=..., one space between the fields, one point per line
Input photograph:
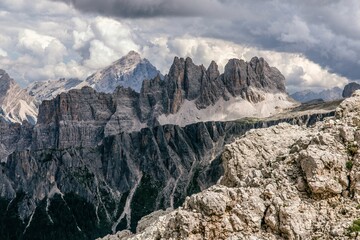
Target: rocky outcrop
x=16 y=105
x=349 y=89
x=240 y=76
x=282 y=182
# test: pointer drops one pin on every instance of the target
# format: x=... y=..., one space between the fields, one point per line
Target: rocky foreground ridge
x=87 y=191
x=282 y=182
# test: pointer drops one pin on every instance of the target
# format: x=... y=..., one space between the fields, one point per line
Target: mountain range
x=85 y=167
x=326 y=95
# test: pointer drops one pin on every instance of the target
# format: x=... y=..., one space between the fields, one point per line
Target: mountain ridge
x=159 y=101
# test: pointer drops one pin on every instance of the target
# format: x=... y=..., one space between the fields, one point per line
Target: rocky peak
x=240 y=76
x=213 y=71
x=128 y=62
x=235 y=76
x=129 y=71
x=192 y=79
x=46 y=90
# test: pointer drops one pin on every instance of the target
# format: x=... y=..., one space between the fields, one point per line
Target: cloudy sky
x=314 y=43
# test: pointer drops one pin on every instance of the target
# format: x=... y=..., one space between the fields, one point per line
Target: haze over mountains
x=326 y=95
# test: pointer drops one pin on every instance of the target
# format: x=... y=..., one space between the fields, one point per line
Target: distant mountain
x=129 y=71
x=16 y=105
x=326 y=95
x=349 y=89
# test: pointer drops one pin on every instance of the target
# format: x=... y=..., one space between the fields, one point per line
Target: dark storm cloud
x=145 y=8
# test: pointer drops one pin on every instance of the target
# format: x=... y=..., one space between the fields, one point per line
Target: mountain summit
x=16 y=105
x=129 y=71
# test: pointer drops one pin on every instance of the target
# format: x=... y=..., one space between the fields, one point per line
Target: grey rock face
x=77 y=118
x=349 y=89
x=14 y=137
x=239 y=76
